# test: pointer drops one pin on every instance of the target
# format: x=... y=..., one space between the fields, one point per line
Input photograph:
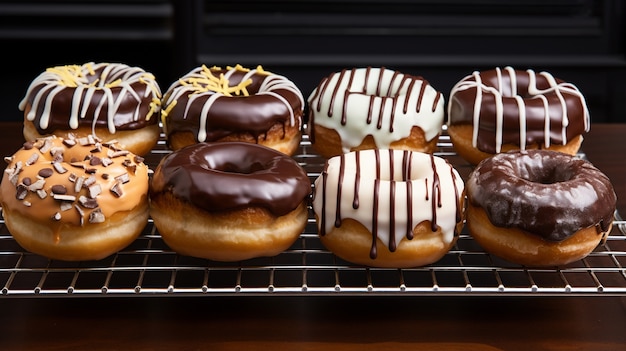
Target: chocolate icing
x=131 y=103
x=546 y=193
x=272 y=100
x=524 y=110
x=233 y=175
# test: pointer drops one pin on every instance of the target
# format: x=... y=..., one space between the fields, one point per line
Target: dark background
x=580 y=41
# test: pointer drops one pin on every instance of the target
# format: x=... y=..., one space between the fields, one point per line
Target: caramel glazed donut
x=539 y=207
x=74 y=198
x=233 y=104
x=109 y=100
x=389 y=208
x=367 y=108
x=495 y=111
x=229 y=201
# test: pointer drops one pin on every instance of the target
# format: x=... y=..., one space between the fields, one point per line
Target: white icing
x=349 y=93
x=421 y=177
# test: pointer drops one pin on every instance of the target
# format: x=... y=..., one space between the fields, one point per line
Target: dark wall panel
x=581 y=41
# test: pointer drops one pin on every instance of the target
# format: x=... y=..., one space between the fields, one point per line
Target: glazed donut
x=501 y=110
x=74 y=198
x=368 y=108
x=109 y=100
x=233 y=104
x=539 y=207
x=229 y=201
x=388 y=208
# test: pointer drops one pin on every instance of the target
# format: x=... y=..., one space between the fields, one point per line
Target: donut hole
x=549 y=174
x=239 y=168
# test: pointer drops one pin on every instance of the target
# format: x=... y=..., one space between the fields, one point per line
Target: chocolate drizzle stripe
x=342 y=171
x=335 y=91
x=370 y=109
x=381 y=71
x=418 y=107
x=436 y=194
x=322 y=228
x=344 y=114
x=405 y=108
x=367 y=78
x=373 y=251
x=381 y=113
x=357 y=181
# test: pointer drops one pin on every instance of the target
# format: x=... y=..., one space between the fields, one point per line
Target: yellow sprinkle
x=90 y=69
x=168 y=109
x=114 y=83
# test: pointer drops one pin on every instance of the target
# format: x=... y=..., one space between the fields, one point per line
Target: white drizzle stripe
x=512 y=79
x=86 y=99
x=204 y=114
x=33 y=110
x=521 y=106
x=109 y=72
x=335 y=100
x=413 y=192
x=48 y=106
x=474 y=81
x=499 y=75
x=477 y=102
x=75 y=106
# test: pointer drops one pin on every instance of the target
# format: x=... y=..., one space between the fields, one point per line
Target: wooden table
x=308 y=322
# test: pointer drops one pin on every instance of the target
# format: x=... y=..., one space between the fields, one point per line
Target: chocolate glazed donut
x=108 y=95
x=229 y=176
x=547 y=207
x=233 y=104
x=504 y=109
x=229 y=201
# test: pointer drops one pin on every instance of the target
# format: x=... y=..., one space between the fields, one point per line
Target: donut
x=74 y=198
x=233 y=104
x=539 y=207
x=388 y=208
x=506 y=109
x=229 y=201
x=367 y=108
x=108 y=100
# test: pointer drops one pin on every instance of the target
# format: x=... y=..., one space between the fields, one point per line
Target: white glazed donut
x=389 y=208
x=395 y=110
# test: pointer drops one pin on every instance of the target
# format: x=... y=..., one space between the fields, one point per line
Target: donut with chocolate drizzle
x=389 y=208
x=366 y=108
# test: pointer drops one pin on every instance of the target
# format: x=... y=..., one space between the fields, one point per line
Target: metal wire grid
x=149 y=268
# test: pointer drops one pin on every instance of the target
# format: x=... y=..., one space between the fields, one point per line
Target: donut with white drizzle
x=110 y=100
x=388 y=208
x=365 y=108
x=233 y=104
x=504 y=109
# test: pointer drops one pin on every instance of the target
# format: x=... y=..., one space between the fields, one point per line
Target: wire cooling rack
x=149 y=268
